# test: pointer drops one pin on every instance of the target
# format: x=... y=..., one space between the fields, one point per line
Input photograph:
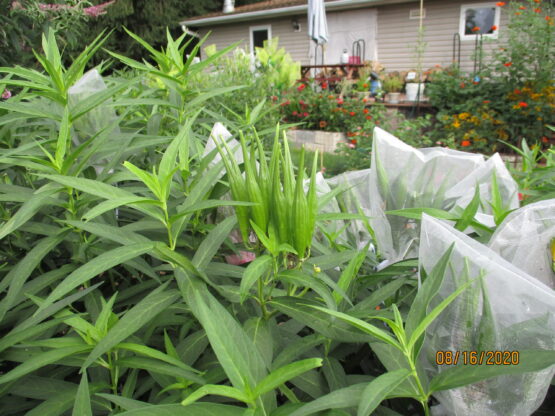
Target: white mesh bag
x=404 y=177
x=524 y=239
x=505 y=310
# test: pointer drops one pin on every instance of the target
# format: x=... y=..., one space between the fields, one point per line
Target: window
x=258 y=35
x=480 y=18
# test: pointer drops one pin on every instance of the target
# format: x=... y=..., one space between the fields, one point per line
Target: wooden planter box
x=323 y=141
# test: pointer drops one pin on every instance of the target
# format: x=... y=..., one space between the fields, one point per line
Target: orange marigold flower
x=331 y=97
x=323 y=124
x=365 y=111
x=522 y=104
x=500 y=3
x=365 y=85
x=494 y=28
x=476 y=29
x=508 y=64
x=465 y=143
x=548 y=18
x=538 y=10
x=518 y=14
x=365 y=100
x=378 y=308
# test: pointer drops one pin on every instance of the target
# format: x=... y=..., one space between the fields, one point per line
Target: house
x=389 y=29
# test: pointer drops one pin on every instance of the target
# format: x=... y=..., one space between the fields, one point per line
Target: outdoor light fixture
x=296 y=25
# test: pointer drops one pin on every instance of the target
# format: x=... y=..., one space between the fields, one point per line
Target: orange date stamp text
x=477 y=357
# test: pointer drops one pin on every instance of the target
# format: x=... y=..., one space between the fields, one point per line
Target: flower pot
x=393 y=97
x=412 y=91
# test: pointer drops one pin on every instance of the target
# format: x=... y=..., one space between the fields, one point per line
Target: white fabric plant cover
x=100 y=116
x=404 y=177
x=522 y=311
x=524 y=239
x=96 y=119
x=221 y=134
x=356 y=196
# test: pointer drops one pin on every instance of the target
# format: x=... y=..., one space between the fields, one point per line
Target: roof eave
x=284 y=11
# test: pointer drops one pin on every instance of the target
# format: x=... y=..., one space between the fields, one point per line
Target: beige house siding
x=296 y=43
x=397 y=35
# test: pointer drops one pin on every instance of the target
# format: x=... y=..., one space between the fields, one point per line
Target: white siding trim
x=259 y=27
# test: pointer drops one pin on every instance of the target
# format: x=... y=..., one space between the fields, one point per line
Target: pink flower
x=95 y=11
x=6 y=94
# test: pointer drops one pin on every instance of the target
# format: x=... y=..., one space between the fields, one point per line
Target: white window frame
x=260 y=27
x=462 y=18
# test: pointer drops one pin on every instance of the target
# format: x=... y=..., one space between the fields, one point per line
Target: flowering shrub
x=514 y=96
x=321 y=109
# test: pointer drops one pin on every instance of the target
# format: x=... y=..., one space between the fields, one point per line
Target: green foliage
x=115 y=296
x=514 y=95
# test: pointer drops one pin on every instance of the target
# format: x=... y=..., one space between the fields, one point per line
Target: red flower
x=365 y=85
x=493 y=28
x=370 y=118
x=365 y=111
x=545 y=139
x=365 y=100
x=500 y=3
x=352 y=114
x=377 y=308
x=548 y=18
x=476 y=29
x=295 y=113
x=354 y=141
x=522 y=8
x=305 y=114
x=538 y=10
x=516 y=91
x=350 y=134
x=522 y=104
x=274 y=98
x=331 y=97
x=465 y=143
x=324 y=85
x=487 y=101
x=508 y=64
x=520 y=196
x=301 y=87
x=339 y=101
x=537 y=1
x=518 y=14
x=323 y=124
x=475 y=82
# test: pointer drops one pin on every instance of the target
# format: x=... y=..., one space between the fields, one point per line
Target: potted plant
x=392 y=85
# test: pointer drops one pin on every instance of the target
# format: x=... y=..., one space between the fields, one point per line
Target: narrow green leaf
x=470 y=211
x=363 y=326
x=135 y=318
x=82 y=406
x=284 y=374
x=212 y=242
x=217 y=390
x=416 y=213
x=434 y=313
x=99 y=264
x=378 y=390
x=41 y=360
x=338 y=399
x=254 y=271
x=195 y=409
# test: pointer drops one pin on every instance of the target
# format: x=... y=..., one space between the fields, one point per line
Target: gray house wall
x=396 y=35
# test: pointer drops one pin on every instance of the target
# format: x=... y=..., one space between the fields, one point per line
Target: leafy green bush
x=115 y=295
x=514 y=95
